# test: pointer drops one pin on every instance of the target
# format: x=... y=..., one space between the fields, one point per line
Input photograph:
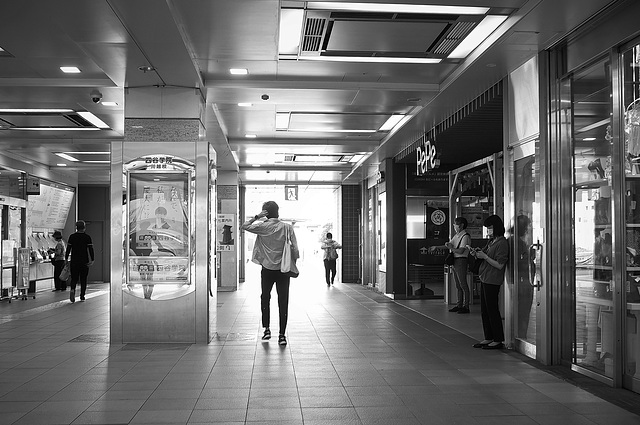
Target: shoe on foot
x=72 y=295
x=81 y=297
x=267 y=334
x=454 y=309
x=494 y=346
x=464 y=310
x=282 y=340
x=482 y=344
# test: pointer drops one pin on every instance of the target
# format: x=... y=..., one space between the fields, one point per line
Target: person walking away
x=267 y=252
x=58 y=262
x=458 y=246
x=80 y=247
x=495 y=256
x=329 y=257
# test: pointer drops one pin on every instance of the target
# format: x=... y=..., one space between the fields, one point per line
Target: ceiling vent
x=448 y=43
x=315 y=28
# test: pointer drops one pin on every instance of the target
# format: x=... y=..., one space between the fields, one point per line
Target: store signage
x=158 y=162
x=426 y=158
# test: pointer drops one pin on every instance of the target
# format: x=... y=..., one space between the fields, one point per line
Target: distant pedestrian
x=267 y=252
x=330 y=257
x=80 y=247
x=58 y=262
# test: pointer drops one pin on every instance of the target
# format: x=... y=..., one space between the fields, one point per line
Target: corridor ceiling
x=310 y=115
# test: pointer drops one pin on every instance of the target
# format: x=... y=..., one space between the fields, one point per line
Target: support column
x=166 y=161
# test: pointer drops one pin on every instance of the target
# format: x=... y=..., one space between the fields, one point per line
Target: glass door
x=527 y=248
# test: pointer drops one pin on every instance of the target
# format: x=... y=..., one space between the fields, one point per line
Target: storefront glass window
x=631 y=103
x=593 y=346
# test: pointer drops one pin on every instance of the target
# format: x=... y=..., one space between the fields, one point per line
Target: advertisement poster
x=225 y=229
x=158 y=214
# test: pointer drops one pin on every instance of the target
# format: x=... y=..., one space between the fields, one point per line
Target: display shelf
x=591 y=184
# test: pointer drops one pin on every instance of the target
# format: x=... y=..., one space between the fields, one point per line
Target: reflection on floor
x=354 y=357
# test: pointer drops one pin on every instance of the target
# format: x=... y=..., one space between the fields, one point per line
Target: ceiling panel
x=388 y=37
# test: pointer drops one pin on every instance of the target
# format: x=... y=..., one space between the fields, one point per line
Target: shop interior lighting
x=331 y=130
x=109 y=103
x=93 y=119
x=238 y=71
x=250 y=136
x=245 y=104
x=487 y=26
x=397 y=8
x=391 y=122
x=61 y=165
x=70 y=69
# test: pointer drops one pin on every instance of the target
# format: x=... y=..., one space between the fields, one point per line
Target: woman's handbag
x=65 y=274
x=474 y=264
x=450 y=258
x=289 y=256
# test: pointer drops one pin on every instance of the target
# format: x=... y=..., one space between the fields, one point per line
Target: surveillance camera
x=96 y=96
x=265 y=97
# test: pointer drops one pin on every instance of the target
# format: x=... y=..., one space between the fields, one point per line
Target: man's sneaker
x=72 y=295
x=81 y=297
x=267 y=335
x=454 y=309
x=282 y=340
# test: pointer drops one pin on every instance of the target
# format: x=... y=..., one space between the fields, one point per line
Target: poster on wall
x=158 y=215
x=49 y=209
x=225 y=229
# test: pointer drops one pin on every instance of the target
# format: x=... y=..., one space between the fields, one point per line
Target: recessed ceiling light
x=391 y=122
x=61 y=165
x=369 y=59
x=480 y=33
x=398 y=8
x=70 y=69
x=93 y=119
x=238 y=71
x=67 y=156
x=109 y=103
x=250 y=136
x=55 y=128
x=282 y=120
x=245 y=104
x=589 y=139
x=34 y=111
x=146 y=68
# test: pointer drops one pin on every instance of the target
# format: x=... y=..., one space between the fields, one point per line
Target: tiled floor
x=354 y=357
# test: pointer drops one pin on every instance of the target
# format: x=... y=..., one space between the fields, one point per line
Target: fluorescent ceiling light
x=97 y=162
x=67 y=157
x=109 y=103
x=282 y=120
x=391 y=122
x=55 y=128
x=398 y=8
x=250 y=136
x=369 y=59
x=93 y=119
x=290 y=30
x=357 y=157
x=326 y=130
x=589 y=139
x=245 y=104
x=70 y=69
x=34 y=111
x=480 y=33
x=238 y=71
x=61 y=165
x=87 y=153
